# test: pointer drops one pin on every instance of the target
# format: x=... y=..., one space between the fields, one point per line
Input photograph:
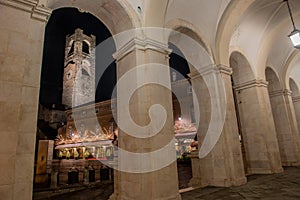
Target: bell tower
x=79 y=69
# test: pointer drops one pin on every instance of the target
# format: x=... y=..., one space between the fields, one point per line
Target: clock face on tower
x=79 y=69
x=69 y=70
x=69 y=74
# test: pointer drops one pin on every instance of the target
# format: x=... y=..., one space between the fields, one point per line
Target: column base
x=264 y=171
x=196 y=183
x=291 y=164
x=119 y=197
x=228 y=183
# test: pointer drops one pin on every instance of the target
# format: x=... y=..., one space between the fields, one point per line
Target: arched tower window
x=85 y=47
x=71 y=50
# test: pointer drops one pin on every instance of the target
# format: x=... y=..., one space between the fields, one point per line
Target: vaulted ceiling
x=258 y=29
x=260 y=33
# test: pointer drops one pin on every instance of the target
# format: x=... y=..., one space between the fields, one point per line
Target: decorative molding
x=276 y=93
x=296 y=98
x=36 y=8
x=251 y=84
x=24 y=5
x=207 y=70
x=41 y=13
x=143 y=45
x=287 y=92
x=94 y=106
x=284 y=92
x=224 y=69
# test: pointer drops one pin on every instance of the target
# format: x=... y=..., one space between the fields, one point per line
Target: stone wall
x=21 y=38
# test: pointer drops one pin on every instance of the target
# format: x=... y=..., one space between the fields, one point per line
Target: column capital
x=250 y=84
x=210 y=69
x=287 y=92
x=143 y=45
x=284 y=92
x=37 y=8
x=224 y=69
x=296 y=98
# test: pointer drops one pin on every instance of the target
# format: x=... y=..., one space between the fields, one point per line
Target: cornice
x=37 y=10
x=284 y=92
x=41 y=13
x=251 y=84
x=140 y=44
x=296 y=98
x=224 y=69
x=207 y=70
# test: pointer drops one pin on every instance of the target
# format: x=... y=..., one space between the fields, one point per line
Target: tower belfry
x=79 y=69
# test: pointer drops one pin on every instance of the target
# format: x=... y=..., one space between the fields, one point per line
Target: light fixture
x=179 y=118
x=295 y=34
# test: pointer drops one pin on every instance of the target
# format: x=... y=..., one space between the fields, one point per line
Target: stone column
x=143 y=174
x=223 y=166
x=257 y=128
x=21 y=38
x=296 y=102
x=286 y=127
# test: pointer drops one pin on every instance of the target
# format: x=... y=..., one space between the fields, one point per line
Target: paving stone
x=283 y=186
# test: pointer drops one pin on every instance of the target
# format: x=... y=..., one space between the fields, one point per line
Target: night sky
x=64 y=21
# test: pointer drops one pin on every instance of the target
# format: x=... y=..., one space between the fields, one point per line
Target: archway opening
x=284 y=120
x=63 y=22
x=242 y=74
x=183 y=113
x=294 y=87
x=296 y=99
x=71 y=38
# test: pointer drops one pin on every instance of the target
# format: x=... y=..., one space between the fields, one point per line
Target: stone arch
x=296 y=99
x=294 y=87
x=203 y=71
x=284 y=119
x=273 y=80
x=155 y=11
x=249 y=94
x=178 y=37
x=85 y=46
x=62 y=22
x=126 y=18
x=188 y=40
x=288 y=67
x=242 y=70
x=116 y=22
x=241 y=74
x=103 y=16
x=226 y=28
x=182 y=101
x=191 y=30
x=182 y=35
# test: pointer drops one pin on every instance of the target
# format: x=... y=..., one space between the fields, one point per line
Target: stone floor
x=283 y=186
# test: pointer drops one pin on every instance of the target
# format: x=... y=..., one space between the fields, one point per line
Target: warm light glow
x=179 y=118
x=295 y=38
x=295 y=34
